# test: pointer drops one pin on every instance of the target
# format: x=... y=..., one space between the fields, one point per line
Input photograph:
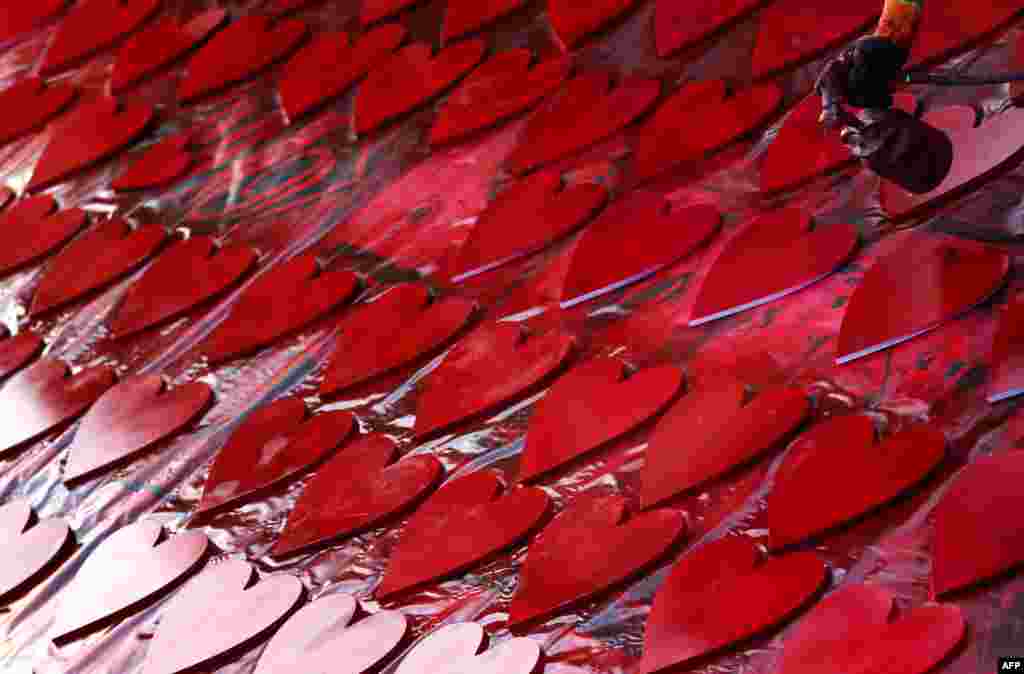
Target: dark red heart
x=397 y=329
x=710 y=432
x=584 y=410
x=377 y=10
x=30 y=104
x=634 y=238
x=329 y=65
x=467 y=16
x=462 y=524
x=45 y=396
x=722 y=119
x=457 y=647
x=586 y=111
x=493 y=366
x=274 y=444
x=914 y=289
x=222 y=609
x=503 y=87
x=160 y=165
x=1006 y=369
x=525 y=218
x=17 y=18
x=588 y=549
x=747 y=274
x=33 y=228
x=92 y=26
x=573 y=21
x=124 y=574
x=280 y=302
x=161 y=45
x=94 y=261
x=18 y=351
x=873 y=475
x=160 y=295
x=31 y=546
x=720 y=595
x=132 y=416
x=355 y=491
x=410 y=78
x=244 y=49
x=95 y=132
x=947 y=32
x=682 y=24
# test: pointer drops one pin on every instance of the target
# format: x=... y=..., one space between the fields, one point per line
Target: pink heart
x=90 y=27
x=455 y=649
x=31 y=546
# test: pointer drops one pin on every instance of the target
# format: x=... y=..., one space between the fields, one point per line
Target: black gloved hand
x=861 y=76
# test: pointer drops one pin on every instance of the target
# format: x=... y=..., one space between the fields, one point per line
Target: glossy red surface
x=468 y=16
x=30 y=546
x=1006 y=364
x=453 y=649
x=33 y=228
x=18 y=351
x=947 y=30
x=573 y=21
x=681 y=24
x=19 y=18
x=30 y=104
x=92 y=26
x=160 y=165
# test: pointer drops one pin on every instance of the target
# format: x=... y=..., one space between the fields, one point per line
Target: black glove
x=862 y=75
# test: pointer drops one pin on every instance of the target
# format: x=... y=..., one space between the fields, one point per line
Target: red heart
x=710 y=432
x=914 y=289
x=18 y=351
x=329 y=65
x=33 y=228
x=30 y=104
x=132 y=416
x=587 y=110
x=376 y=10
x=161 y=45
x=274 y=444
x=503 y=87
x=747 y=274
x=493 y=366
x=7 y=195
x=634 y=238
x=297 y=293
x=573 y=21
x=92 y=26
x=125 y=573
x=792 y=32
x=219 y=611
x=45 y=396
x=160 y=295
x=356 y=491
x=531 y=214
x=410 y=78
x=584 y=410
x=242 y=50
x=1006 y=371
x=17 y=18
x=720 y=595
x=663 y=142
x=31 y=546
x=946 y=32
x=977 y=537
x=588 y=549
x=467 y=16
x=95 y=132
x=160 y=165
x=94 y=261
x=873 y=475
x=397 y=329
x=683 y=24
x=453 y=649
x=460 y=525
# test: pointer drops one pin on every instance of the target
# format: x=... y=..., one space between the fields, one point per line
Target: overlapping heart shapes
x=92 y=26
x=455 y=649
x=18 y=351
x=30 y=104
x=33 y=228
x=159 y=166
x=29 y=547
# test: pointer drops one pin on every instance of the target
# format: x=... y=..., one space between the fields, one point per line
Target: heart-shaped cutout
x=355 y=491
x=33 y=228
x=30 y=547
x=132 y=416
x=525 y=218
x=1006 y=369
x=917 y=287
x=670 y=137
x=329 y=66
x=810 y=254
x=30 y=104
x=160 y=296
x=468 y=16
x=722 y=594
x=463 y=523
x=456 y=649
x=92 y=26
x=411 y=78
x=274 y=444
x=160 y=45
x=573 y=21
x=495 y=365
x=947 y=32
x=378 y=10
x=18 y=18
x=682 y=24
x=219 y=611
x=160 y=165
x=873 y=475
x=94 y=261
x=95 y=132
x=502 y=87
x=296 y=293
x=634 y=238
x=46 y=396
x=396 y=329
x=710 y=432
x=587 y=110
x=587 y=550
x=587 y=408
x=126 y=572
x=18 y=351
